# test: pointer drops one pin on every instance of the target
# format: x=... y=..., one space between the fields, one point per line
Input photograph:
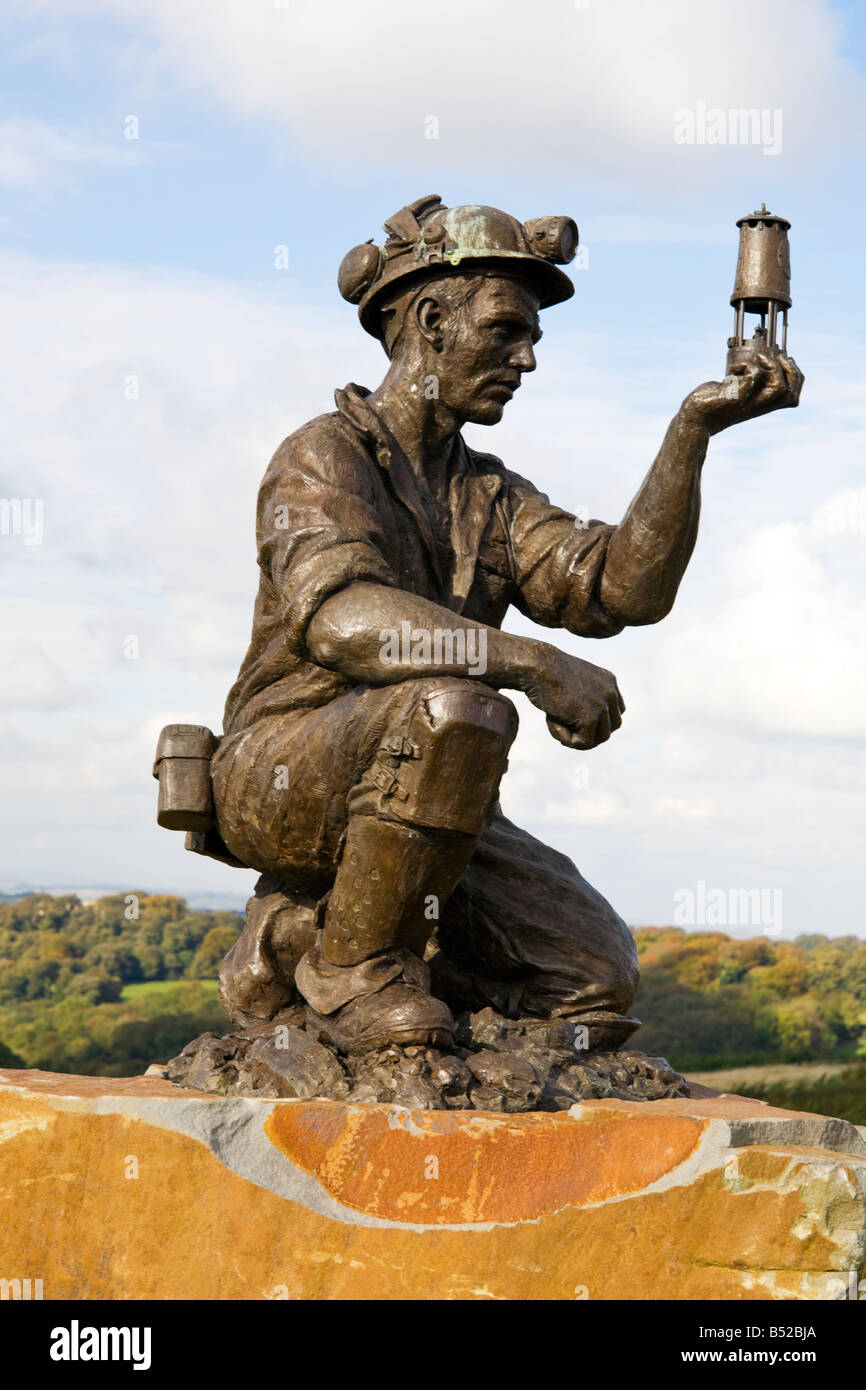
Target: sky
x=160 y=163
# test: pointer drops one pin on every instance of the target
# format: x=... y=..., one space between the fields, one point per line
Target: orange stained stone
x=103 y=1197
x=454 y=1168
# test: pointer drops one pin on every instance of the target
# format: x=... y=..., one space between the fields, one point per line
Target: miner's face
x=487 y=346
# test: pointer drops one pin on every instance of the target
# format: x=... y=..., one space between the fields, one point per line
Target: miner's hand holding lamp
x=761 y=377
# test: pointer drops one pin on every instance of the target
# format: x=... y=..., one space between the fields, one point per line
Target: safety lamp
x=762 y=286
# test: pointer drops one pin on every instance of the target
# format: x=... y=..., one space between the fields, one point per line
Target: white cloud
x=843 y=514
x=29 y=679
x=355 y=85
x=784 y=654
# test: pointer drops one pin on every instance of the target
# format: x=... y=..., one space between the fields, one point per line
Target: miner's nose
x=523 y=357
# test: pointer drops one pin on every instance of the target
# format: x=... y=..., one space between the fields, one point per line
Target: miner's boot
x=365 y=981
x=367 y=1007
x=415 y=822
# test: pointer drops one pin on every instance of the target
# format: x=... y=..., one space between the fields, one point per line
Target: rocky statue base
x=133 y=1188
x=497 y=1064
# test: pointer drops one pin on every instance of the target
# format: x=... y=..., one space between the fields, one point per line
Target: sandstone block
x=137 y=1189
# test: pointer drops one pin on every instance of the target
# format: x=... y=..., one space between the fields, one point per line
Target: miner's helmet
x=427 y=240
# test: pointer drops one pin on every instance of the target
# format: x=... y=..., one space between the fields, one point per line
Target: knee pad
x=444 y=772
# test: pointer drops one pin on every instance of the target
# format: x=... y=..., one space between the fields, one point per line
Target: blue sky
x=740 y=763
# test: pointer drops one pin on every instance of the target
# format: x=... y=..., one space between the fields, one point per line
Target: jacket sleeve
x=558 y=563
x=317 y=528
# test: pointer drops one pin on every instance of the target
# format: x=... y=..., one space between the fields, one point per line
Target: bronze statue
x=368 y=730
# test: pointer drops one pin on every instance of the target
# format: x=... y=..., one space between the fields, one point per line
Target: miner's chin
x=488 y=409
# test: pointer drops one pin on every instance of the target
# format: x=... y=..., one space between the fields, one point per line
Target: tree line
x=706 y=999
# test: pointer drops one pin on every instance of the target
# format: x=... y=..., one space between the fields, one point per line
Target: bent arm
x=349 y=632
x=582 y=702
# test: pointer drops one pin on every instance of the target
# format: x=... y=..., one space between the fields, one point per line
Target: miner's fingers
x=793 y=376
x=569 y=738
x=603 y=728
x=774 y=377
x=776 y=386
x=751 y=379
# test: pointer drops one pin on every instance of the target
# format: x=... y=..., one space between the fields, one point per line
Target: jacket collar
x=352 y=404
x=472 y=491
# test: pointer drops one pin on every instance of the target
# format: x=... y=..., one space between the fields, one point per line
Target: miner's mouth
x=504 y=388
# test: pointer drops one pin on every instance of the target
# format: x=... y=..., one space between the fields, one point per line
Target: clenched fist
x=582 y=702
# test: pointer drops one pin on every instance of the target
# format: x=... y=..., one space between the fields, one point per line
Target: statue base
x=497 y=1063
x=137 y=1189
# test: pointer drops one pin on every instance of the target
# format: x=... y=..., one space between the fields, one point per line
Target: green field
x=824 y=1089
x=105 y=988
x=163 y=987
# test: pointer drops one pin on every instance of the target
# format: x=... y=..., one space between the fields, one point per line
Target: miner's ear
x=430 y=318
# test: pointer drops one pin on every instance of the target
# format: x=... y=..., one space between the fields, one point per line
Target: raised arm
x=648 y=552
